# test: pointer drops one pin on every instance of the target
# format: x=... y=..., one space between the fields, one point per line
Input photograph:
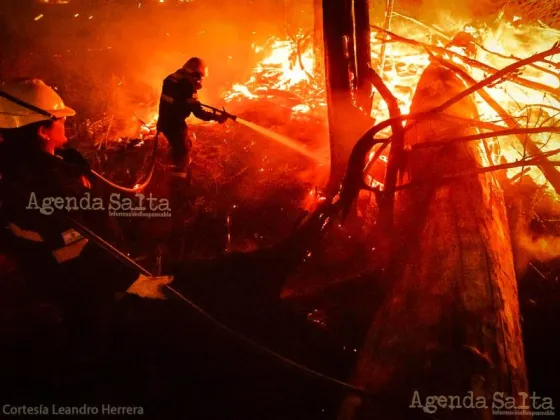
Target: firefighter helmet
x=195 y=65
x=33 y=92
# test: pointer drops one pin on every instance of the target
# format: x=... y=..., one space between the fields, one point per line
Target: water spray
x=279 y=138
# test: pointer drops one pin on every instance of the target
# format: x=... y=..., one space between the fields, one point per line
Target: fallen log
x=449 y=324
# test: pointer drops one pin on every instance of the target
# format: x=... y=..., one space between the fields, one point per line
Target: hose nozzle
x=221 y=111
x=227 y=114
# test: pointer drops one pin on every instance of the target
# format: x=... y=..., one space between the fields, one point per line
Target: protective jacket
x=59 y=262
x=178 y=101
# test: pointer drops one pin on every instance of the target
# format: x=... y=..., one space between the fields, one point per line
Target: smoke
x=112 y=58
x=543 y=248
x=530 y=246
x=529 y=206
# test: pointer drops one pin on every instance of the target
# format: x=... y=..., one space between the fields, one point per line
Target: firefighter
x=179 y=99
x=59 y=262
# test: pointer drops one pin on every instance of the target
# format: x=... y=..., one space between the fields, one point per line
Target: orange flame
x=283 y=68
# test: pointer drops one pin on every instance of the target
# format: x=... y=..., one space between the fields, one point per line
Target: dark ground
x=167 y=358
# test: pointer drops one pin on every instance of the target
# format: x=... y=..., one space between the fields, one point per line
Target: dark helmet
x=195 y=65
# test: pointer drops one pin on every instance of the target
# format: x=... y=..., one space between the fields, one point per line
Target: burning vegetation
x=418 y=152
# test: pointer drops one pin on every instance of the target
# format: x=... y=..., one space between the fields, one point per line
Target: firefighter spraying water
x=179 y=99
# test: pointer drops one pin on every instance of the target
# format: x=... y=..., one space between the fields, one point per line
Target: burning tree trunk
x=363 y=55
x=346 y=122
x=450 y=323
x=337 y=30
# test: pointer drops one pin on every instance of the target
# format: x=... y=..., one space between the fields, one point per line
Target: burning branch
x=549 y=171
x=395 y=155
x=495 y=77
x=354 y=179
x=467 y=123
x=483 y=125
x=480 y=136
x=354 y=182
x=512 y=57
x=531 y=161
x=376 y=156
x=297 y=42
x=387 y=25
x=542 y=106
x=482 y=66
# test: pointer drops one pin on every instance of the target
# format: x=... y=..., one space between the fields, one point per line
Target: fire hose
x=139 y=186
x=41 y=111
x=172 y=292
x=100 y=242
x=123 y=258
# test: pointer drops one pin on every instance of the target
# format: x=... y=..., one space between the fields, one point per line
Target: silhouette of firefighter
x=179 y=99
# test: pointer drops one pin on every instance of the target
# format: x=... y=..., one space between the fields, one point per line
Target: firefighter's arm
x=92 y=264
x=172 y=96
x=202 y=114
x=119 y=278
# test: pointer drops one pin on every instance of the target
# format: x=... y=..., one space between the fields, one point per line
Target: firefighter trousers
x=179 y=184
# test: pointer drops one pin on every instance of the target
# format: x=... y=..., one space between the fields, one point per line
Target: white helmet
x=35 y=93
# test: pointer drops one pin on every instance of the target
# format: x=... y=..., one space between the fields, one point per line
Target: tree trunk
x=450 y=323
x=337 y=29
x=363 y=55
x=346 y=122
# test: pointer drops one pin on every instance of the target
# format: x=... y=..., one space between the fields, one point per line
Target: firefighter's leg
x=179 y=193
x=181 y=172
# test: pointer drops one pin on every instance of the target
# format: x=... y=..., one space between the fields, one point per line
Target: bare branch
x=519 y=176
x=512 y=57
x=485 y=67
x=497 y=76
x=468 y=122
x=354 y=178
x=480 y=136
x=387 y=25
x=395 y=155
x=549 y=171
x=376 y=156
x=352 y=184
x=541 y=106
x=533 y=161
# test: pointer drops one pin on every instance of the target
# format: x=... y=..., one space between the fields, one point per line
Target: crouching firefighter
x=60 y=264
x=179 y=99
